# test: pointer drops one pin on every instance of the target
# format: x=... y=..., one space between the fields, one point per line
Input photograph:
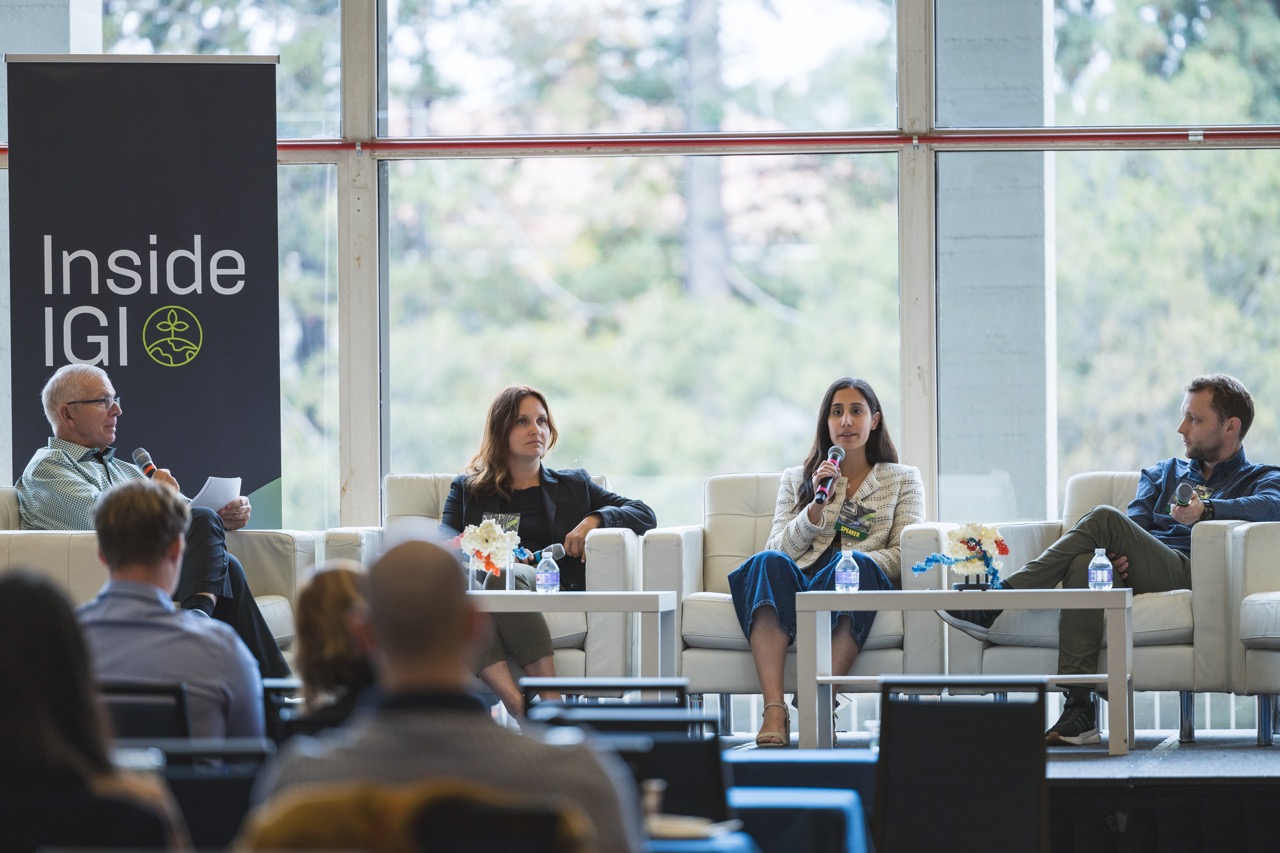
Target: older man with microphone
x=60 y=484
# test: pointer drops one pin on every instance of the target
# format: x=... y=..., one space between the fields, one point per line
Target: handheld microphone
x=555 y=552
x=142 y=459
x=1182 y=497
x=835 y=456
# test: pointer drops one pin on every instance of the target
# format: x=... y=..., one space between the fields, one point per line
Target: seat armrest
x=612 y=559
x=362 y=544
x=1252 y=568
x=613 y=564
x=672 y=560
x=1217 y=631
x=276 y=562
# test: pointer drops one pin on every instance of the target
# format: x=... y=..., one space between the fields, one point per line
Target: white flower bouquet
x=489 y=544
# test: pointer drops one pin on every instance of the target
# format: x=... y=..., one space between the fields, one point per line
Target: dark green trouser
x=1153 y=567
x=523 y=636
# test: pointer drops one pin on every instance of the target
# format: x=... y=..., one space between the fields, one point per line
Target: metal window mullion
x=359 y=294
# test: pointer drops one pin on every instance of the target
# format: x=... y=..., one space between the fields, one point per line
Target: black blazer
x=569 y=496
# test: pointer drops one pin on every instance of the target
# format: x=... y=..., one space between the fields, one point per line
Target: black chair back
x=464 y=824
x=693 y=769
x=961 y=770
x=77 y=819
x=146 y=709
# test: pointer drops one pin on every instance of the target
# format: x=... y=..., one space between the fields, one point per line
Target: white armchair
x=1253 y=615
x=696 y=561
x=1180 y=640
x=585 y=644
x=276 y=562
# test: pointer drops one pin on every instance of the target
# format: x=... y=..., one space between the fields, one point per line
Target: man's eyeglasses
x=104 y=402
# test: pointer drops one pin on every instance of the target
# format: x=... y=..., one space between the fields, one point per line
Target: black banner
x=144 y=240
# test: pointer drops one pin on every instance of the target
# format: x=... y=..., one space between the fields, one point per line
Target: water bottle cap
x=1100 y=552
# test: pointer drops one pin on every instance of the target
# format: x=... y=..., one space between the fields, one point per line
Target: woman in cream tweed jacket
x=871 y=499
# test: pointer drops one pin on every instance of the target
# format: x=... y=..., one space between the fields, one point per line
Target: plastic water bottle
x=547 y=575
x=847 y=575
x=1099 y=570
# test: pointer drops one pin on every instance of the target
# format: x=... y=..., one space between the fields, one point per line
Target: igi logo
x=172 y=336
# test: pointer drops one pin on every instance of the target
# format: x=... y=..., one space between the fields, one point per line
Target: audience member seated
x=421 y=631
x=507 y=481
x=335 y=671
x=62 y=480
x=57 y=785
x=857 y=500
x=134 y=630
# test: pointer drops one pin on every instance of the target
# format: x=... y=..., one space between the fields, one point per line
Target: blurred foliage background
x=684 y=314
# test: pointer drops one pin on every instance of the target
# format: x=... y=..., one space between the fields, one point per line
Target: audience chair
x=145 y=709
x=440 y=815
x=585 y=644
x=965 y=769
x=696 y=561
x=1181 y=641
x=66 y=820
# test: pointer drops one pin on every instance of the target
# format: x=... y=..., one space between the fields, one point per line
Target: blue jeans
x=772 y=579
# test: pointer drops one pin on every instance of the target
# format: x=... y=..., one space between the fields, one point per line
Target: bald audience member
x=134 y=630
x=422 y=631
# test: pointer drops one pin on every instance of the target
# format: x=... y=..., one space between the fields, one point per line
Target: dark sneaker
x=1076 y=726
x=975 y=623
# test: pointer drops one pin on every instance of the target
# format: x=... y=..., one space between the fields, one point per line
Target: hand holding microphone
x=142 y=459
x=823 y=491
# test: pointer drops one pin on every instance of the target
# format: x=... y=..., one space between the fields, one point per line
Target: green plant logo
x=172 y=336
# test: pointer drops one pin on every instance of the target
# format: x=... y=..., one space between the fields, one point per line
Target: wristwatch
x=1209 y=511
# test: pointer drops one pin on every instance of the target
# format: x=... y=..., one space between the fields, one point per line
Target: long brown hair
x=489 y=473
x=329 y=660
x=879 y=445
x=54 y=730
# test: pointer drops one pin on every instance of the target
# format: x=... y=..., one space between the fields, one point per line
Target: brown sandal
x=776 y=740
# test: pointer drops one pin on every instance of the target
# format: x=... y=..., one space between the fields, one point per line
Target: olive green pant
x=1153 y=567
x=523 y=636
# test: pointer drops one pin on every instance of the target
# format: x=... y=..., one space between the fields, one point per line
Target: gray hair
x=65 y=385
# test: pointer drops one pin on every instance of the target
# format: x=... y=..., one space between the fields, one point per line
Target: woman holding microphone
x=859 y=503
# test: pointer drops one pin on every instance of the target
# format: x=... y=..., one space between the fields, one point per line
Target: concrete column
x=31 y=26
x=996 y=294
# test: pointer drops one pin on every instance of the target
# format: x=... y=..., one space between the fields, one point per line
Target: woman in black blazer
x=506 y=478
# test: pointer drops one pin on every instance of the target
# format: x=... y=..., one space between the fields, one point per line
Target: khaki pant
x=1153 y=567
x=523 y=636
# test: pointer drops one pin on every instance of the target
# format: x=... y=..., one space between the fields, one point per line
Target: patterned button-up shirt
x=61 y=482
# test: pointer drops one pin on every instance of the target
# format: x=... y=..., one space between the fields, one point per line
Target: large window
x=305 y=35
x=669 y=344
x=1186 y=63
x=637 y=66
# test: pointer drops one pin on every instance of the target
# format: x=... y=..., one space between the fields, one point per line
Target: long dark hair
x=54 y=731
x=879 y=445
x=488 y=473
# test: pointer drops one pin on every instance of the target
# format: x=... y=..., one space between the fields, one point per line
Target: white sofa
x=1181 y=640
x=1254 y=616
x=585 y=644
x=696 y=561
x=276 y=562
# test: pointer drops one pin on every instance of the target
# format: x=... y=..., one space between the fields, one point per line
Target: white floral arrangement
x=488 y=543
x=969 y=544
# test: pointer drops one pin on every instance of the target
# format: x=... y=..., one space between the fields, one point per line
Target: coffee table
x=814 y=679
x=657 y=640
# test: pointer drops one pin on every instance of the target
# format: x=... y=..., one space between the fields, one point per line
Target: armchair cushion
x=1159 y=619
x=1260 y=621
